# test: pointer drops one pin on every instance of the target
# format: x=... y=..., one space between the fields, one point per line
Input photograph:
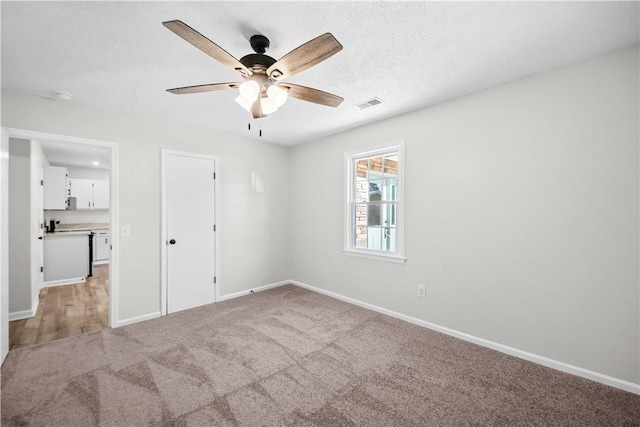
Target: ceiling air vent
x=370 y=103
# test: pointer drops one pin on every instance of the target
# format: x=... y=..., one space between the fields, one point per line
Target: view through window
x=374 y=202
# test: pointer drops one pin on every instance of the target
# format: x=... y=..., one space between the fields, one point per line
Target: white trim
x=531 y=357
x=25 y=314
x=163 y=232
x=62 y=282
x=28 y=134
x=19 y=315
x=101 y=262
x=138 y=319
x=397 y=257
x=114 y=237
x=114 y=208
x=253 y=290
x=373 y=255
x=4 y=245
x=163 y=221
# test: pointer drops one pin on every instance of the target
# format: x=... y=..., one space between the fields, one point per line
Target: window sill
x=376 y=256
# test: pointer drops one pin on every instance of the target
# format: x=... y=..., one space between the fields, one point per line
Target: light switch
x=125 y=231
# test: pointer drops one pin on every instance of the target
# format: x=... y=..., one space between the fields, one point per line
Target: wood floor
x=65 y=311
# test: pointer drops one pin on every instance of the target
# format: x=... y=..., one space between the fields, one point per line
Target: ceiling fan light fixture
x=267 y=105
x=243 y=103
x=277 y=94
x=250 y=90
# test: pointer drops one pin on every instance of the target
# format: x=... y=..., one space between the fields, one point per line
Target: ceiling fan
x=262 y=92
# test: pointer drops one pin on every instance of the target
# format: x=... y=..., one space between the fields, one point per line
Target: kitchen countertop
x=67 y=233
x=77 y=229
x=85 y=226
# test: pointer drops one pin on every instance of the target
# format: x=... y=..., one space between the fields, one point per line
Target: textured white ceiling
x=118 y=56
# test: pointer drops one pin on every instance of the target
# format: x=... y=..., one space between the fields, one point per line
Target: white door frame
x=164 y=153
x=4 y=246
x=40 y=208
x=114 y=208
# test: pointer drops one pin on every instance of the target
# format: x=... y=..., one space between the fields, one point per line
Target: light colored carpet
x=289 y=356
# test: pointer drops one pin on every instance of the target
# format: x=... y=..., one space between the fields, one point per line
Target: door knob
x=40 y=238
x=172 y=241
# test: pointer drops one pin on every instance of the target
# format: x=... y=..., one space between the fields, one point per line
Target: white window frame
x=397 y=257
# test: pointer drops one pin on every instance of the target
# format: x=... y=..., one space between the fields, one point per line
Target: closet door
x=190 y=220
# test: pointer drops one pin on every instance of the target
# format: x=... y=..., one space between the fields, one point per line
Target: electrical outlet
x=422 y=291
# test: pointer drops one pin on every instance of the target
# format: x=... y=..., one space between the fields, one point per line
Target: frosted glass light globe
x=278 y=95
x=244 y=103
x=250 y=90
x=268 y=106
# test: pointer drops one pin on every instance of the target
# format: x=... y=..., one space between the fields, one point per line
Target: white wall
x=253 y=227
x=20 y=296
x=521 y=216
x=26 y=158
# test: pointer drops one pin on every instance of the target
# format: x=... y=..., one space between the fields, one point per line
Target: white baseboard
x=104 y=261
x=61 y=282
x=258 y=289
x=137 y=319
x=541 y=360
x=25 y=314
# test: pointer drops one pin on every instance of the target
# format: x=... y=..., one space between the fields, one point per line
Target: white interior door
x=190 y=220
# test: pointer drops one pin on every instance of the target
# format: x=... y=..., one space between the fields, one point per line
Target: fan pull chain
x=259 y=131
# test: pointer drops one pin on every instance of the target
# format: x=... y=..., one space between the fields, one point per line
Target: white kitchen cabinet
x=82 y=190
x=101 y=194
x=101 y=245
x=66 y=257
x=55 y=192
x=90 y=194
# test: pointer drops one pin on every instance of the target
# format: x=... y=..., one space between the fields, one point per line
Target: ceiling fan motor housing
x=259 y=43
x=257 y=62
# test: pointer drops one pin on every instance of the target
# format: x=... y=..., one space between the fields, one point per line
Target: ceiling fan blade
x=206 y=45
x=312 y=95
x=305 y=56
x=203 y=88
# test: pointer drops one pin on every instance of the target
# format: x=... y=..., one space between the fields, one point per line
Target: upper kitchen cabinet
x=55 y=188
x=101 y=194
x=82 y=190
x=90 y=193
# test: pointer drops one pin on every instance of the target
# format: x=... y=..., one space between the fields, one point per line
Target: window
x=374 y=205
